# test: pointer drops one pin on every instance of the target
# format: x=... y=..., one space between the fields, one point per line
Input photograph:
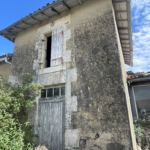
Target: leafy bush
x=14 y=102
x=139 y=127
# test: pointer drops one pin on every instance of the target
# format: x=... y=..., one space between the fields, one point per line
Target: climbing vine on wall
x=14 y=102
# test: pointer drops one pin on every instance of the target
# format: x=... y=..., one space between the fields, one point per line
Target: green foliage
x=14 y=103
x=139 y=126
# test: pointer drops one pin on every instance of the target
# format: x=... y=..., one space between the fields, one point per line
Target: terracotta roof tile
x=132 y=75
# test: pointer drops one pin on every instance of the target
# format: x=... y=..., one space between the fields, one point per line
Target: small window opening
x=48 y=52
x=43 y=93
x=53 y=92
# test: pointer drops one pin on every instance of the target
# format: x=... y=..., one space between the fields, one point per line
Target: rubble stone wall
x=102 y=117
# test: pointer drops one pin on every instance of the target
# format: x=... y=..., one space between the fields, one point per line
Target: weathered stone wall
x=23 y=56
x=102 y=116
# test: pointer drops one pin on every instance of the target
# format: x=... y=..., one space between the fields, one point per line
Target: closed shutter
x=56 y=53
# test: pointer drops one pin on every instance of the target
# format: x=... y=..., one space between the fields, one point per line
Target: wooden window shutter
x=56 y=50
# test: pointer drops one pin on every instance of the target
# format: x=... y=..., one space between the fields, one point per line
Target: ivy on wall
x=15 y=131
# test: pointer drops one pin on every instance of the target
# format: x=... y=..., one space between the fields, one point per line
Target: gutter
x=138 y=80
x=5 y=59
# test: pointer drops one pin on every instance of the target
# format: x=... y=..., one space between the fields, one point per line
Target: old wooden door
x=51 y=123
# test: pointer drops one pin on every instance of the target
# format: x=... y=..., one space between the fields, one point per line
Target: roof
x=5 y=58
x=122 y=12
x=132 y=75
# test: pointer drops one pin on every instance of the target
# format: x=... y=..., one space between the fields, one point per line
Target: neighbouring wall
x=5 y=70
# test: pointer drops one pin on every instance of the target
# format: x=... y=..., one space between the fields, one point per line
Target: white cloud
x=139 y=4
x=146 y=11
x=147 y=17
x=141 y=35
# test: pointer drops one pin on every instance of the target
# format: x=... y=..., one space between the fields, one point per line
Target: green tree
x=15 y=101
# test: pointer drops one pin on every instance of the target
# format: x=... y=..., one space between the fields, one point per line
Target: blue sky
x=141 y=35
x=12 y=11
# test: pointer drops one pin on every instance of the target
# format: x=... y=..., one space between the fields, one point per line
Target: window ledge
x=52 y=69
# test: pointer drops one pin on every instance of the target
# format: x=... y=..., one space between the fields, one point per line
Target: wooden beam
x=64 y=3
x=18 y=28
x=42 y=13
x=34 y=18
x=121 y=19
x=120 y=1
x=55 y=10
x=120 y=28
x=127 y=39
x=26 y=23
x=7 y=35
x=123 y=33
x=120 y=11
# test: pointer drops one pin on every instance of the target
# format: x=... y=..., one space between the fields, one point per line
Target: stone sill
x=52 y=69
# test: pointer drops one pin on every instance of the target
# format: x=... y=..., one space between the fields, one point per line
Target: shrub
x=140 y=125
x=15 y=100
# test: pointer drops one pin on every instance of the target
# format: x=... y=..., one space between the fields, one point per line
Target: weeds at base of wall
x=15 y=131
x=140 y=127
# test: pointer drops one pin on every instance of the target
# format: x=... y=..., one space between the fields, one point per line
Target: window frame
x=44 y=49
x=53 y=87
x=134 y=99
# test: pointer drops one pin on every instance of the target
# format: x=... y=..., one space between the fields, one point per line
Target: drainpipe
x=129 y=83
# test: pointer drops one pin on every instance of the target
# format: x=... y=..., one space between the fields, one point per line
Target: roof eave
x=11 y=32
x=123 y=18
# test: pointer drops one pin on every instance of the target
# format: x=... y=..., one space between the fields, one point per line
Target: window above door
x=53 y=92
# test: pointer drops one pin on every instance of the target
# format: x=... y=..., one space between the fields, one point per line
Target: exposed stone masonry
x=99 y=88
x=22 y=62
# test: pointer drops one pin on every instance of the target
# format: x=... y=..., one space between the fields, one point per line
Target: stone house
x=78 y=49
x=5 y=62
x=139 y=87
x=139 y=91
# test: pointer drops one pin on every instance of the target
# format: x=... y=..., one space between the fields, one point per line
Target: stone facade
x=99 y=88
x=96 y=113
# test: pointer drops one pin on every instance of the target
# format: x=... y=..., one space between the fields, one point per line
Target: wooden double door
x=52 y=123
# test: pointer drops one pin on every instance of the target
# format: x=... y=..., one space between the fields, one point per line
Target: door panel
x=51 y=124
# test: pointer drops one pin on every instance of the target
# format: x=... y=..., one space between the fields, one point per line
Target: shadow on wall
x=115 y=146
